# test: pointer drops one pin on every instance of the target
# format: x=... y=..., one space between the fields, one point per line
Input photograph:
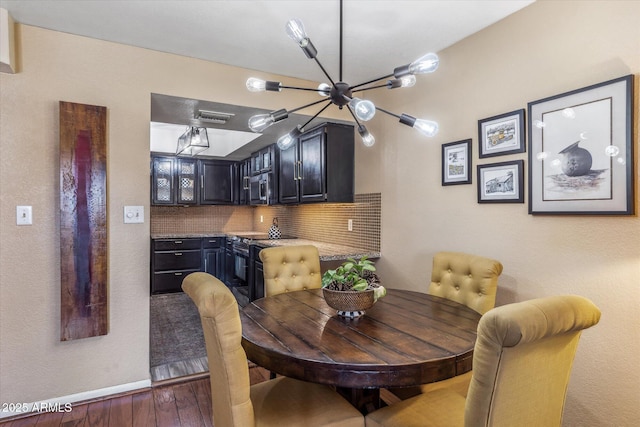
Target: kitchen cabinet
x=319 y=166
x=256 y=273
x=213 y=256
x=171 y=261
x=217 y=182
x=174 y=181
x=244 y=176
x=263 y=184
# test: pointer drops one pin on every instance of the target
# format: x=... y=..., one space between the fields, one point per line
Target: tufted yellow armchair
x=275 y=403
x=290 y=268
x=521 y=367
x=467 y=279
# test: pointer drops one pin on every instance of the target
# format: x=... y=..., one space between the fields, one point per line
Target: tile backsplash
x=325 y=222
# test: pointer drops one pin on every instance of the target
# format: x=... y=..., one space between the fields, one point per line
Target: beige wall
x=547 y=48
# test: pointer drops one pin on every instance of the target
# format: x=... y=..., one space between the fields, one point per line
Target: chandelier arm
x=324 y=71
x=388 y=112
x=299 y=88
x=372 y=81
x=309 y=105
x=316 y=115
x=353 y=115
x=371 y=87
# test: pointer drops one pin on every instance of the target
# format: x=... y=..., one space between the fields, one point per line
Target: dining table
x=406 y=339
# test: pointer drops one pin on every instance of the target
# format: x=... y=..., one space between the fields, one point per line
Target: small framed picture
x=503 y=134
x=581 y=151
x=501 y=182
x=456 y=162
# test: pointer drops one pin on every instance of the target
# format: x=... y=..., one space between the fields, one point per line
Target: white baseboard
x=65 y=403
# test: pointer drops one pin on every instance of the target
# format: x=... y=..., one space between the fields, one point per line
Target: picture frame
x=581 y=151
x=456 y=162
x=502 y=134
x=501 y=182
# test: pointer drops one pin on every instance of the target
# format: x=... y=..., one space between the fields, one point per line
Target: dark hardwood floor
x=175 y=403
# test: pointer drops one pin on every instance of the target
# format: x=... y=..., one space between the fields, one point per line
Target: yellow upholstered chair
x=467 y=279
x=290 y=268
x=235 y=403
x=521 y=366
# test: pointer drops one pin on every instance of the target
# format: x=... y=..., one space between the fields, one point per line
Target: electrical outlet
x=24 y=215
x=349 y=225
x=261 y=218
x=133 y=214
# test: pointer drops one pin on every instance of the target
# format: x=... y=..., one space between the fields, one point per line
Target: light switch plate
x=24 y=215
x=133 y=214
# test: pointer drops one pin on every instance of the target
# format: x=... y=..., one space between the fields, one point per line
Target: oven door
x=241 y=266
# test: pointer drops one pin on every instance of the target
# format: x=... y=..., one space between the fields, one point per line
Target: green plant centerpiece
x=353 y=287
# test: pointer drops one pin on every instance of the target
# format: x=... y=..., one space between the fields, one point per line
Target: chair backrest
x=290 y=268
x=228 y=368
x=467 y=279
x=522 y=361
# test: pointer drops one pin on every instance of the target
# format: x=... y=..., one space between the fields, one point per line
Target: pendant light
x=341 y=93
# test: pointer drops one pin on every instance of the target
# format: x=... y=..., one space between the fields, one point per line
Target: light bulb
x=287 y=140
x=425 y=64
x=363 y=109
x=256 y=85
x=295 y=30
x=324 y=89
x=367 y=139
x=260 y=122
x=426 y=127
x=408 y=81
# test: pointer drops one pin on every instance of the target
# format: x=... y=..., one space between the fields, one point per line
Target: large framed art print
x=581 y=151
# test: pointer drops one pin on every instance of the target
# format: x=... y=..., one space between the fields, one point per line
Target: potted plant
x=353 y=287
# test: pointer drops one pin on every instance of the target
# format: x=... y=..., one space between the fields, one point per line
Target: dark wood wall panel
x=83 y=221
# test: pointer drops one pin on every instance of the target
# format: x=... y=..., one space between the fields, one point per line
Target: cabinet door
x=288 y=176
x=216 y=182
x=244 y=178
x=311 y=167
x=186 y=182
x=162 y=181
x=214 y=262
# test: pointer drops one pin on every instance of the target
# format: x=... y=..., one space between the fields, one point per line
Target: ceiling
x=378 y=35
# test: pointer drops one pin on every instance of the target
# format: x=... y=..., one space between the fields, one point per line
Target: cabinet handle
x=178 y=254
x=299 y=169
x=177 y=274
x=178 y=242
x=212 y=241
x=267 y=190
x=202 y=181
x=295 y=171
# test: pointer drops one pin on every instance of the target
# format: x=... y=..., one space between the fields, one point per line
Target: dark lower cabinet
x=256 y=273
x=174 y=259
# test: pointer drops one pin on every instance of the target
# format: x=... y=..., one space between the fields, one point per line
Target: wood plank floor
x=177 y=403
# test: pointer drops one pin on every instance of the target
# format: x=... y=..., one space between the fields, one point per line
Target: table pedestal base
x=364 y=399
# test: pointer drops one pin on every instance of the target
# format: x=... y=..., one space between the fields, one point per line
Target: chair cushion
x=290 y=268
x=290 y=402
x=439 y=408
x=468 y=279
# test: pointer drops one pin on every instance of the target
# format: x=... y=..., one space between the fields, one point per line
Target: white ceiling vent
x=214 y=116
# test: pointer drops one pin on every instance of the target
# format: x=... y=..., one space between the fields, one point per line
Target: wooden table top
x=407 y=338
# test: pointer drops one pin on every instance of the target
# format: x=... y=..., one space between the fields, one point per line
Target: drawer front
x=212 y=242
x=178 y=260
x=170 y=281
x=175 y=244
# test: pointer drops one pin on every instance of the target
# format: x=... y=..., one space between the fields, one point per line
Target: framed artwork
x=501 y=182
x=503 y=134
x=456 y=162
x=581 y=151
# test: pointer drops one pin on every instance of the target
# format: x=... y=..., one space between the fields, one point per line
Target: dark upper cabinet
x=263 y=160
x=263 y=183
x=319 y=167
x=244 y=179
x=218 y=182
x=174 y=181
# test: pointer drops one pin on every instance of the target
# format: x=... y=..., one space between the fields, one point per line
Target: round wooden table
x=406 y=339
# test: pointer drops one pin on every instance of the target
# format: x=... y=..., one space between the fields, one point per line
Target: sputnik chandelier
x=341 y=93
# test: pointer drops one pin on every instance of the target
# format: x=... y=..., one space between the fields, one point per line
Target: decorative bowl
x=349 y=303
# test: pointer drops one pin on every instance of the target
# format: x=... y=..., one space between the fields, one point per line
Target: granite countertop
x=328 y=251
